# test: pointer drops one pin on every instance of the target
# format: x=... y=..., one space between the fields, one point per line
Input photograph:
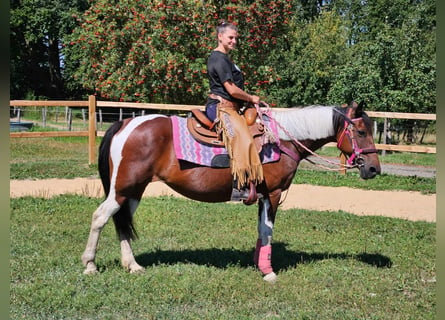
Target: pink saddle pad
x=188 y=149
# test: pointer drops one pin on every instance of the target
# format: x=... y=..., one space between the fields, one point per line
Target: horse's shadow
x=282 y=258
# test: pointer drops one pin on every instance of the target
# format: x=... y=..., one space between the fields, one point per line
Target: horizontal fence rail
x=93 y=105
x=398 y=115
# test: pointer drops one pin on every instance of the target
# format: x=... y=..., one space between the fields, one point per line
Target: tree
x=391 y=55
x=37 y=31
x=316 y=53
x=157 y=50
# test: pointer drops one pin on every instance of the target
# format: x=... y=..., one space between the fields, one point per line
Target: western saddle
x=205 y=131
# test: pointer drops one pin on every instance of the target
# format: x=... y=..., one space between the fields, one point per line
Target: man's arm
x=237 y=93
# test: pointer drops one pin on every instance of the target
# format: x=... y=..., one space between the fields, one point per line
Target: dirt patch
x=397 y=204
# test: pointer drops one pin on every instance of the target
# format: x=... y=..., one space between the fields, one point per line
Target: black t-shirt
x=219 y=70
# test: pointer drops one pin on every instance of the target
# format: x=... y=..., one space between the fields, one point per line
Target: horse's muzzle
x=369 y=171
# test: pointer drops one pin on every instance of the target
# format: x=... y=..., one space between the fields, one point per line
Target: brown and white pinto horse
x=135 y=152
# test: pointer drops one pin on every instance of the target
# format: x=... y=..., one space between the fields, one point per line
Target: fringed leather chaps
x=244 y=159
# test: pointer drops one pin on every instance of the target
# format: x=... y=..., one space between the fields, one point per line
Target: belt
x=224 y=103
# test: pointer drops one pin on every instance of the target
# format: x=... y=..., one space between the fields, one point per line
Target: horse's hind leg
x=126 y=233
x=99 y=220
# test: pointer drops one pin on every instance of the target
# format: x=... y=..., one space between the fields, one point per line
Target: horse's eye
x=361 y=133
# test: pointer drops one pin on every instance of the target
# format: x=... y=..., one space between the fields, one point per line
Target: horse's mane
x=310 y=122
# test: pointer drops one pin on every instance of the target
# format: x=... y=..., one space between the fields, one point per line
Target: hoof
x=134 y=268
x=138 y=270
x=90 y=269
x=270 y=277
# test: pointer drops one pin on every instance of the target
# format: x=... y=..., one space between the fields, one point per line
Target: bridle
x=356 y=158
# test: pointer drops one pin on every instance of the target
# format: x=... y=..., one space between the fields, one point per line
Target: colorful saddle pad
x=188 y=149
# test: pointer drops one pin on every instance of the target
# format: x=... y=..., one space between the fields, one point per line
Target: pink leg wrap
x=264 y=260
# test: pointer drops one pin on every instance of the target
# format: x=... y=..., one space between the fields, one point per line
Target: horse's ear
x=353 y=104
x=351 y=110
x=356 y=110
x=360 y=107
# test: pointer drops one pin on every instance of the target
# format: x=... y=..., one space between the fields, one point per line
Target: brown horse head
x=355 y=139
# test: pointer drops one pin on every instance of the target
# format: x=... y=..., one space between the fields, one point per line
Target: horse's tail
x=123 y=219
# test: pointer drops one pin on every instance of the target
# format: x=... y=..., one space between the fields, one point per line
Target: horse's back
x=144 y=136
x=141 y=150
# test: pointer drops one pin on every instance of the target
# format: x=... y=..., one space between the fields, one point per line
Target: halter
x=356 y=158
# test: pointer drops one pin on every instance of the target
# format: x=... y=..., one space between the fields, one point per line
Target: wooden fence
x=93 y=105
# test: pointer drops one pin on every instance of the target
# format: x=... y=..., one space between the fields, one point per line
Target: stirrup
x=248 y=195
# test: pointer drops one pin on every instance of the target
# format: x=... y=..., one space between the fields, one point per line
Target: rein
x=347 y=130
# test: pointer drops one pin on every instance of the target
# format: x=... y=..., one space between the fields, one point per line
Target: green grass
x=331 y=265
x=40 y=158
x=352 y=179
x=407 y=158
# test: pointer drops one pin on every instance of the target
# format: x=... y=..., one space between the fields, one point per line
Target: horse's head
x=354 y=138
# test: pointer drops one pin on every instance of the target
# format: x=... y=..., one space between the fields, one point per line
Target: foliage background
x=293 y=52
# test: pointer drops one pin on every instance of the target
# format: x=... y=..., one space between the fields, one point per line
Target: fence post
x=70 y=119
x=343 y=163
x=100 y=119
x=44 y=116
x=385 y=132
x=83 y=115
x=91 y=129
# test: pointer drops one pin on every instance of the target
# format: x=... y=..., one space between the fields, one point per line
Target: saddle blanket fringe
x=188 y=149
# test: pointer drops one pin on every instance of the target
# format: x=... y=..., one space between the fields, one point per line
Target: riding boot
x=253 y=197
x=247 y=194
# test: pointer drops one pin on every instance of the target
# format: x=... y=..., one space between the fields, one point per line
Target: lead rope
x=268 y=113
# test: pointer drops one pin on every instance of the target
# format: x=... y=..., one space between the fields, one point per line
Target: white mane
x=311 y=122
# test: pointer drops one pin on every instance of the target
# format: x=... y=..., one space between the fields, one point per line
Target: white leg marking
x=100 y=218
x=128 y=260
x=263 y=250
x=265 y=226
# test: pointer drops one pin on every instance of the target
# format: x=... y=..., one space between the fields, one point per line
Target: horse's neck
x=313 y=123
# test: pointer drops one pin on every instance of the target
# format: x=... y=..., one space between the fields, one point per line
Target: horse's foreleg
x=128 y=260
x=100 y=218
x=263 y=250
